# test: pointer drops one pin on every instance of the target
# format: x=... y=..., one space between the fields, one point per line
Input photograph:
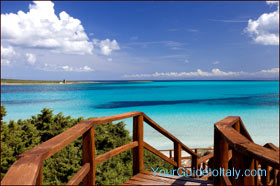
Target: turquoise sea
x=187 y=109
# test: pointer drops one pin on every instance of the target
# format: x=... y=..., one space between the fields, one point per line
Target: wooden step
x=148 y=178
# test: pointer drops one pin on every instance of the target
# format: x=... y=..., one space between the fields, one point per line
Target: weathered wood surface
x=80 y=175
x=138 y=153
x=54 y=145
x=149 y=178
x=24 y=171
x=244 y=145
x=272 y=146
x=88 y=148
x=159 y=154
x=107 y=155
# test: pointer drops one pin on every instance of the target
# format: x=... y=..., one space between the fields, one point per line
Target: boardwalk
x=148 y=178
x=233 y=147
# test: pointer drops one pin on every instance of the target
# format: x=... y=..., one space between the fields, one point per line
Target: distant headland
x=39 y=82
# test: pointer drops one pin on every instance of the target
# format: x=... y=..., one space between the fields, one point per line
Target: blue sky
x=139 y=40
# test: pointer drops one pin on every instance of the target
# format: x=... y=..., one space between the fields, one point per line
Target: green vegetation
x=22 y=135
x=18 y=81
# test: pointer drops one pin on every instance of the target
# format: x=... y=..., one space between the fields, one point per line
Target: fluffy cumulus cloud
x=106 y=46
x=265 y=29
x=198 y=73
x=30 y=58
x=7 y=55
x=40 y=27
x=65 y=68
x=213 y=73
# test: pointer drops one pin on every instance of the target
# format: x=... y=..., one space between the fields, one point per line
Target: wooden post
x=170 y=154
x=178 y=155
x=220 y=155
x=257 y=182
x=89 y=156
x=138 y=152
x=39 y=180
x=194 y=164
x=266 y=179
x=242 y=163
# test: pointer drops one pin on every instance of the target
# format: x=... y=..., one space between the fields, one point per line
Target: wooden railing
x=28 y=169
x=204 y=162
x=234 y=148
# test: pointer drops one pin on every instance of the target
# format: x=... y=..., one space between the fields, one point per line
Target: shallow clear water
x=187 y=109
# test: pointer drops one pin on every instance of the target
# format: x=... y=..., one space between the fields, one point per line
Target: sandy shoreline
x=61 y=83
x=46 y=83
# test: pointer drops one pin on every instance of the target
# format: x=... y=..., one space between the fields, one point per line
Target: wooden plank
x=205 y=158
x=24 y=171
x=178 y=155
x=55 y=144
x=230 y=121
x=262 y=154
x=138 y=153
x=76 y=180
x=88 y=148
x=231 y=135
x=116 y=117
x=149 y=178
x=167 y=134
x=182 y=178
x=159 y=154
x=272 y=146
x=103 y=157
x=242 y=163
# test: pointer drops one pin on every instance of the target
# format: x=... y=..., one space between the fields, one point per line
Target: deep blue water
x=188 y=109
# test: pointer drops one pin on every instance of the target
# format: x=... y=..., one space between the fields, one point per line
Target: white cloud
x=265 y=29
x=106 y=46
x=7 y=55
x=273 y=70
x=30 y=58
x=213 y=73
x=40 y=27
x=66 y=68
x=186 y=61
x=216 y=62
x=109 y=59
x=272 y=2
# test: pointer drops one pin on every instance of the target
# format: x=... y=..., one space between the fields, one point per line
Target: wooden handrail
x=80 y=175
x=27 y=170
x=159 y=154
x=244 y=145
x=103 y=157
x=230 y=133
x=167 y=134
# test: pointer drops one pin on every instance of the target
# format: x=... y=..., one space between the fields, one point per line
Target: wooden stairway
x=233 y=147
x=149 y=178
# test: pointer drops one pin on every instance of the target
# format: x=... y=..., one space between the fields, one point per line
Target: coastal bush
x=17 y=137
